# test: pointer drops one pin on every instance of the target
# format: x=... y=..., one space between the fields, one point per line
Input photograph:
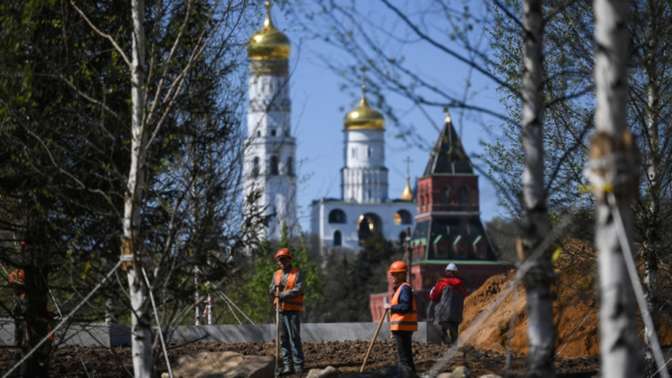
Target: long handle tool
x=373 y=339
x=277 y=331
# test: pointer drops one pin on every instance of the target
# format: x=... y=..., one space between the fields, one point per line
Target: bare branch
x=103 y=34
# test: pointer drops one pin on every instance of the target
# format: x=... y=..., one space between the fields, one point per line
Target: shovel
x=277 y=331
x=373 y=339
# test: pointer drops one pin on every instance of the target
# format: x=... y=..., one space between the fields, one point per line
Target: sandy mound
x=575 y=310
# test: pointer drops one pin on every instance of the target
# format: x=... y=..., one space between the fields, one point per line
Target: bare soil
x=346 y=356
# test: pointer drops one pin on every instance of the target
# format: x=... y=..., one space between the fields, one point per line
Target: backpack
x=449 y=308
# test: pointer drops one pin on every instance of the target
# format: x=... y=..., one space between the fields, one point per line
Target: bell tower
x=364 y=176
x=269 y=166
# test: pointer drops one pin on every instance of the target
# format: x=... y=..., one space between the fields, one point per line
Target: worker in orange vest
x=288 y=282
x=403 y=317
x=16 y=280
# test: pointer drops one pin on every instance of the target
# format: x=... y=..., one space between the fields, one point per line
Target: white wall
x=350 y=238
x=269 y=134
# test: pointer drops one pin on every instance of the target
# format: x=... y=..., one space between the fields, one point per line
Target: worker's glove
x=282 y=295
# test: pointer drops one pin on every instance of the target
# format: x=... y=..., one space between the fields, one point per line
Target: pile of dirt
x=575 y=309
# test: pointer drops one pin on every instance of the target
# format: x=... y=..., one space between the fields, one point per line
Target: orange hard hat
x=16 y=277
x=398 y=267
x=283 y=252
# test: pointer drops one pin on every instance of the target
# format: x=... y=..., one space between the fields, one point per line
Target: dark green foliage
x=64 y=156
x=350 y=281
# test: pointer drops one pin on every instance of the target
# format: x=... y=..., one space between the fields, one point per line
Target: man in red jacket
x=447 y=303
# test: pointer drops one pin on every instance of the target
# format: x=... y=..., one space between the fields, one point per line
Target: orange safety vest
x=407 y=321
x=294 y=304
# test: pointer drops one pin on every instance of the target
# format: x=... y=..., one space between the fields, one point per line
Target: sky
x=319 y=107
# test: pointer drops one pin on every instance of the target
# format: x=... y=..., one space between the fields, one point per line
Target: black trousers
x=449 y=332
x=290 y=338
x=405 y=352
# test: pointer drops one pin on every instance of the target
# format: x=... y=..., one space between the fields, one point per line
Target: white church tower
x=269 y=166
x=364 y=176
x=364 y=210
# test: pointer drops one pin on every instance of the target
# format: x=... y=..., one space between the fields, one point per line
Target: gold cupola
x=269 y=43
x=364 y=116
x=407 y=194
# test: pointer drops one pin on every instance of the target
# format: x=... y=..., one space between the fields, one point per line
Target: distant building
x=364 y=209
x=269 y=164
x=448 y=221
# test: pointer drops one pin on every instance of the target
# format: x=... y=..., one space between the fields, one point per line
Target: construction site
x=495 y=344
x=389 y=188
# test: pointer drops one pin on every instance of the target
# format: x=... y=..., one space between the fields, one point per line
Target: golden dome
x=364 y=117
x=407 y=194
x=269 y=43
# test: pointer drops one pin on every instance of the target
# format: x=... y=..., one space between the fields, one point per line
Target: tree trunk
x=651 y=241
x=36 y=318
x=141 y=333
x=613 y=173
x=538 y=279
x=651 y=244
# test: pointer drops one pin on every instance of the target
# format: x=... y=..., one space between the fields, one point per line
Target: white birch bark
x=141 y=333
x=650 y=245
x=541 y=331
x=197 y=299
x=611 y=151
x=651 y=242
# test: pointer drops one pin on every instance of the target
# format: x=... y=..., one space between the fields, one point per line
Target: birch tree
x=141 y=333
x=538 y=278
x=613 y=171
x=65 y=118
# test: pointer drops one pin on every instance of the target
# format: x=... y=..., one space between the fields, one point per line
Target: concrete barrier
x=118 y=335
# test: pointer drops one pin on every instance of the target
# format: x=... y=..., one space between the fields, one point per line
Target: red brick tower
x=448 y=218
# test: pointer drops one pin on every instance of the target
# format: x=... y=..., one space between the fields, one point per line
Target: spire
x=363 y=102
x=448 y=156
x=447 y=117
x=407 y=193
x=268 y=19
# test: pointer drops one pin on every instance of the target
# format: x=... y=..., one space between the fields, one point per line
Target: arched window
x=255 y=167
x=403 y=217
x=258 y=133
x=337 y=216
x=464 y=196
x=290 y=166
x=337 y=239
x=368 y=225
x=272 y=132
x=274 y=165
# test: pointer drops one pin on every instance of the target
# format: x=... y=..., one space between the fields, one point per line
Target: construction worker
x=16 y=280
x=403 y=317
x=447 y=303
x=288 y=283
